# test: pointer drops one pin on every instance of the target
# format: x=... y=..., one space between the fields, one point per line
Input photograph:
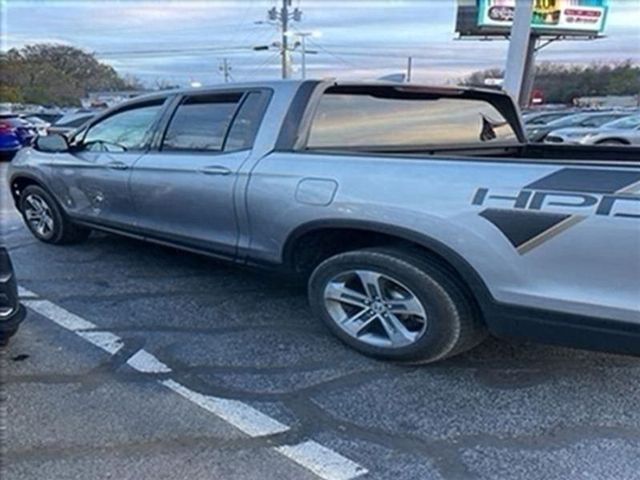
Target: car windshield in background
x=74 y=122
x=627 y=123
x=544 y=118
x=366 y=120
x=586 y=120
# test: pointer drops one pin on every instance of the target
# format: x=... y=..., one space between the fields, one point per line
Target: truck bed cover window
x=388 y=117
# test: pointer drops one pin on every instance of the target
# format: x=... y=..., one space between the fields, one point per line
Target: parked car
x=578 y=120
x=70 y=122
x=50 y=118
x=420 y=216
x=15 y=132
x=624 y=131
x=40 y=125
x=11 y=312
x=542 y=118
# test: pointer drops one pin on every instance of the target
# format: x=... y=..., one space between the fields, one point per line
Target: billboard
x=549 y=16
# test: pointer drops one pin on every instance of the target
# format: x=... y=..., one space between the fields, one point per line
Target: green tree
x=55 y=74
x=563 y=83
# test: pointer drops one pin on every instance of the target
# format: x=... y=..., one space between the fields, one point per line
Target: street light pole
x=303 y=44
x=304 y=56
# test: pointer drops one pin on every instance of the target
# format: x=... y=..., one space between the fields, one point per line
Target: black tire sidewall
x=442 y=301
x=56 y=213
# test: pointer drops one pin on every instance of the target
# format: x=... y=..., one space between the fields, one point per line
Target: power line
x=337 y=57
x=261 y=67
x=172 y=50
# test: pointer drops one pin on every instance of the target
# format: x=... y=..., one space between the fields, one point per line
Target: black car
x=11 y=312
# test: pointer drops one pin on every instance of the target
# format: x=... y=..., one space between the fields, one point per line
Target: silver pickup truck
x=420 y=217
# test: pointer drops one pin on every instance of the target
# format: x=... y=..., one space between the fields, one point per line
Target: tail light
x=6 y=128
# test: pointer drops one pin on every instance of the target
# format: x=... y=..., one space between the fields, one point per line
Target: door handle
x=117 y=165
x=215 y=170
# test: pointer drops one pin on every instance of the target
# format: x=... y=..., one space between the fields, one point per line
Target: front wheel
x=46 y=220
x=391 y=304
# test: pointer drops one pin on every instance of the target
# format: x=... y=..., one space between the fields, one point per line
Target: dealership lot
x=302 y=404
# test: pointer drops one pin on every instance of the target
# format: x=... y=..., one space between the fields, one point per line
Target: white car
x=624 y=131
x=40 y=125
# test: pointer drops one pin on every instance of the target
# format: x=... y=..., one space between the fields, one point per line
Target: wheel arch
x=21 y=181
x=613 y=139
x=302 y=242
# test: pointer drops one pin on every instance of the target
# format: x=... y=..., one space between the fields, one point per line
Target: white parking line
x=107 y=341
x=145 y=362
x=242 y=416
x=322 y=461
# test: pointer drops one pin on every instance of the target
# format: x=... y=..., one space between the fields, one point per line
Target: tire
x=36 y=203
x=451 y=323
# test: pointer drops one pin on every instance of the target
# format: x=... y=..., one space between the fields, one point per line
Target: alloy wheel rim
x=375 y=308
x=38 y=214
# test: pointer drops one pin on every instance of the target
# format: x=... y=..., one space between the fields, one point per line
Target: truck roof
x=295 y=84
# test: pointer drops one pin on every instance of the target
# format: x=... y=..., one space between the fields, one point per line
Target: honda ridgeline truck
x=420 y=217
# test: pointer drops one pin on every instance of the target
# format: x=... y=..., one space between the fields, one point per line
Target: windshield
x=627 y=123
x=569 y=121
x=543 y=119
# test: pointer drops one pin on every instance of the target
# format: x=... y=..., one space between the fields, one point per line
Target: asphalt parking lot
x=143 y=362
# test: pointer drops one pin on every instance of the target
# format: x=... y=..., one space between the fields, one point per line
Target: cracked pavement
x=501 y=411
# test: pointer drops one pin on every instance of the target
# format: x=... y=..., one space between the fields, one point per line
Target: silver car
x=624 y=131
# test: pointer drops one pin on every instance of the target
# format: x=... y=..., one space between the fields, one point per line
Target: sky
x=185 y=41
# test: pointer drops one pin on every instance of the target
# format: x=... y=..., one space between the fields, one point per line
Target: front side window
x=390 y=120
x=122 y=131
x=201 y=122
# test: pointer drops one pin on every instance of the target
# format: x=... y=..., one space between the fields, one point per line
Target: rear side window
x=200 y=123
x=391 y=120
x=245 y=125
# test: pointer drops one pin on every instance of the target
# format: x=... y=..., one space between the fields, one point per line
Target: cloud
x=361 y=38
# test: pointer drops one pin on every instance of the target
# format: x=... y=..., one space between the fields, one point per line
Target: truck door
x=92 y=179
x=184 y=189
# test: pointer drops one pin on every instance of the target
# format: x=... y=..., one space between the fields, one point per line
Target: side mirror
x=52 y=143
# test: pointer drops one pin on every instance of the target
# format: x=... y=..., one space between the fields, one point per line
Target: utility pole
x=225 y=68
x=284 y=22
x=282 y=18
x=520 y=54
x=409 y=68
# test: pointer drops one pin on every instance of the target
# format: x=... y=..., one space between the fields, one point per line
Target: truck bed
x=610 y=155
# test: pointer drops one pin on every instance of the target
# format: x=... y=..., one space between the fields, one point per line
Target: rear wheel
x=394 y=305
x=46 y=220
